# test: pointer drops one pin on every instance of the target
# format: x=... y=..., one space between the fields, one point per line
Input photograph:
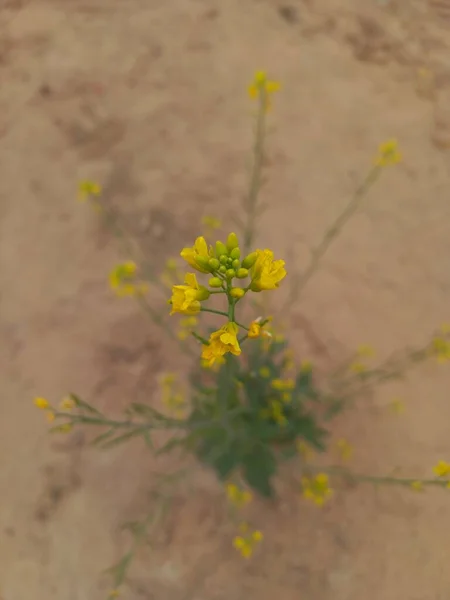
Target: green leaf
x=146 y=411
x=103 y=436
x=226 y=462
x=170 y=445
x=123 y=438
x=259 y=466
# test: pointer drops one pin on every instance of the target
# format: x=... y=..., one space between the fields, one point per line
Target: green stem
x=251 y=203
x=223 y=314
x=330 y=234
x=406 y=481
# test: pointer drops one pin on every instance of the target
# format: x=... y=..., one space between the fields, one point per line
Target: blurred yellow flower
x=282 y=385
x=442 y=469
x=366 y=351
x=67 y=403
x=87 y=189
x=267 y=272
x=345 y=449
x=264 y=372
x=222 y=341
x=358 y=368
x=441 y=349
x=417 y=486
x=262 y=88
x=122 y=280
x=397 y=406
x=254 y=330
x=388 y=154
x=41 y=403
x=317 y=489
x=237 y=496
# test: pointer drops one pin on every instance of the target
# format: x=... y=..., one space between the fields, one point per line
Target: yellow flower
x=87 y=189
x=197 y=256
x=64 y=428
x=441 y=469
x=441 y=349
x=237 y=496
x=317 y=489
x=222 y=341
x=186 y=298
x=282 y=385
x=261 y=88
x=267 y=272
x=245 y=545
x=345 y=449
x=254 y=330
x=417 y=486
x=121 y=280
x=388 y=154
x=67 y=403
x=41 y=403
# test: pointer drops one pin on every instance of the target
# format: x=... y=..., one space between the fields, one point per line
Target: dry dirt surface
x=148 y=97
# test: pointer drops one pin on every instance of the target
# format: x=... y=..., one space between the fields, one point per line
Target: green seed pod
x=215 y=282
x=232 y=242
x=235 y=253
x=203 y=293
x=237 y=292
x=242 y=273
x=231 y=273
x=236 y=263
x=224 y=259
x=221 y=249
x=250 y=260
x=214 y=263
x=223 y=269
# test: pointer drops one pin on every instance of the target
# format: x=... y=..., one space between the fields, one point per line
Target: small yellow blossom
x=358 y=368
x=87 y=189
x=186 y=298
x=441 y=349
x=237 y=496
x=261 y=88
x=245 y=545
x=41 y=403
x=366 y=351
x=267 y=272
x=64 y=428
x=67 y=403
x=417 y=486
x=442 y=469
x=388 y=154
x=317 y=489
x=282 y=385
x=198 y=256
x=222 y=341
x=345 y=449
x=264 y=372
x=254 y=330
x=122 y=280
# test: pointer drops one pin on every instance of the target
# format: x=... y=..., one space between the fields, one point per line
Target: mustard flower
x=254 y=330
x=41 y=403
x=186 y=298
x=67 y=403
x=198 y=256
x=442 y=469
x=86 y=189
x=282 y=385
x=317 y=489
x=366 y=351
x=388 y=154
x=222 y=341
x=417 y=486
x=245 y=545
x=262 y=88
x=237 y=496
x=122 y=280
x=267 y=272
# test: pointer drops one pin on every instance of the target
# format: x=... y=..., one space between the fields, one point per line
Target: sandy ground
x=148 y=97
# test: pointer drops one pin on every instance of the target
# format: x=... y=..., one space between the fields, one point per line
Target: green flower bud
x=203 y=293
x=214 y=263
x=231 y=273
x=223 y=269
x=203 y=263
x=221 y=249
x=242 y=273
x=236 y=263
x=250 y=260
x=237 y=292
x=232 y=242
x=224 y=259
x=215 y=282
x=229 y=262
x=235 y=253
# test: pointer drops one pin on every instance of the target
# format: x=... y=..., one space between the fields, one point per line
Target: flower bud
x=235 y=253
x=231 y=273
x=224 y=259
x=221 y=249
x=215 y=282
x=242 y=273
x=237 y=292
x=202 y=293
x=232 y=242
x=236 y=264
x=214 y=264
x=223 y=269
x=202 y=262
x=250 y=260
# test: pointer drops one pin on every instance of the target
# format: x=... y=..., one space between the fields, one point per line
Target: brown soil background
x=148 y=97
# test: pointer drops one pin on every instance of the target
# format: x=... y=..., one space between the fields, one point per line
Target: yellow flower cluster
x=224 y=265
x=245 y=544
x=317 y=489
x=87 y=189
x=442 y=469
x=172 y=398
x=237 y=496
x=123 y=282
x=275 y=412
x=261 y=88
